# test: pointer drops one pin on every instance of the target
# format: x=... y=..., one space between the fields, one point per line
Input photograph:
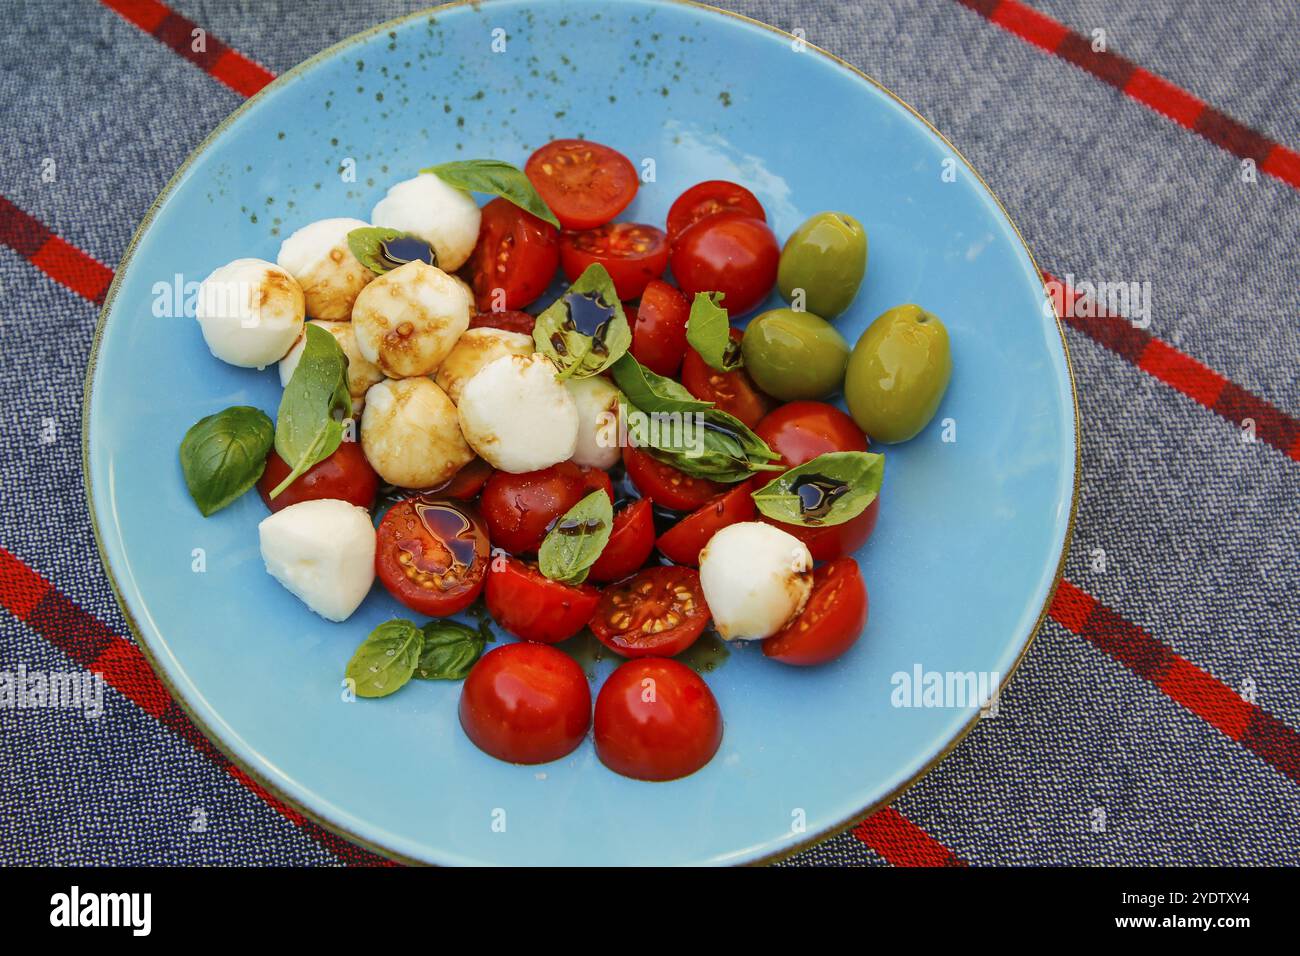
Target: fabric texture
x=1154 y=721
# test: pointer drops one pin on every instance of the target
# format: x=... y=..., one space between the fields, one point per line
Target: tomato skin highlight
x=668 y=600
x=584 y=183
x=533 y=607
x=630 y=543
x=830 y=623
x=707 y=198
x=665 y=738
x=659 y=328
x=345 y=475
x=632 y=254
x=509 y=320
x=516 y=253
x=828 y=542
x=664 y=484
x=432 y=554
x=683 y=542
x=734 y=392
x=727 y=252
x=800 y=431
x=525 y=704
x=519 y=508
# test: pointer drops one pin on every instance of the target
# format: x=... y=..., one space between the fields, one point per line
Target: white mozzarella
x=411 y=435
x=597 y=400
x=755 y=578
x=323 y=552
x=408 y=320
x=317 y=255
x=517 y=415
x=361 y=373
x=250 y=311
x=445 y=217
x=474 y=349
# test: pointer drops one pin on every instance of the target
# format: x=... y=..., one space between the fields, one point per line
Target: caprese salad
x=622 y=459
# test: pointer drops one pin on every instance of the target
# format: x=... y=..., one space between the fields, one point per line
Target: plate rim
x=335 y=49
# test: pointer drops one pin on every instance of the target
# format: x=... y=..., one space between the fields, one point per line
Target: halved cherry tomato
x=467 y=482
x=800 y=431
x=683 y=542
x=705 y=199
x=510 y=320
x=830 y=623
x=630 y=543
x=664 y=484
x=658 y=613
x=728 y=252
x=526 y=703
x=532 y=606
x=515 y=257
x=828 y=542
x=519 y=509
x=631 y=253
x=432 y=554
x=656 y=719
x=584 y=183
x=659 y=328
x=733 y=392
x=345 y=475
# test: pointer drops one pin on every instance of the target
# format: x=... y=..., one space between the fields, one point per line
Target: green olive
x=898 y=373
x=792 y=355
x=826 y=257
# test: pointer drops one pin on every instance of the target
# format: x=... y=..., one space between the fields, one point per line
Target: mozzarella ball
x=361 y=374
x=410 y=433
x=445 y=217
x=517 y=415
x=318 y=256
x=755 y=578
x=474 y=349
x=408 y=320
x=250 y=312
x=597 y=399
x=323 y=551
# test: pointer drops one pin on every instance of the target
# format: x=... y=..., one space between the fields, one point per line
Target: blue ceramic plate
x=971 y=532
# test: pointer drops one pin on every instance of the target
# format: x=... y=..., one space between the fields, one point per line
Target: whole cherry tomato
x=345 y=475
x=532 y=606
x=584 y=183
x=432 y=554
x=514 y=259
x=659 y=328
x=520 y=508
x=728 y=252
x=800 y=431
x=830 y=623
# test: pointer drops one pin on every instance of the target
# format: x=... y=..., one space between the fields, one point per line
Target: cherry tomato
x=519 y=509
x=800 y=431
x=631 y=253
x=432 y=554
x=656 y=720
x=830 y=623
x=658 y=613
x=584 y=183
x=705 y=199
x=532 y=606
x=514 y=259
x=630 y=543
x=834 y=541
x=728 y=252
x=345 y=475
x=526 y=703
x=733 y=392
x=466 y=483
x=509 y=319
x=659 y=328
x=664 y=484
x=682 y=542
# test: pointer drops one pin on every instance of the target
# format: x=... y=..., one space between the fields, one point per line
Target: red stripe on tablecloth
x=61 y=261
x=901 y=842
x=86 y=640
x=1142 y=85
x=1182 y=681
x=177 y=33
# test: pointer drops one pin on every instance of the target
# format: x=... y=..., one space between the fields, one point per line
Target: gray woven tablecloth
x=1155 y=718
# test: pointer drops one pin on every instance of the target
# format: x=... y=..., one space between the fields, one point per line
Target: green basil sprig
x=575 y=354
x=496 y=178
x=223 y=455
x=573 y=545
x=708 y=443
x=370 y=246
x=708 y=331
x=386 y=659
x=309 y=425
x=831 y=489
x=651 y=392
x=449 y=650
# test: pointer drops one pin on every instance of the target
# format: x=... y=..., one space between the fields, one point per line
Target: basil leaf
x=376 y=248
x=708 y=331
x=574 y=353
x=223 y=455
x=573 y=545
x=450 y=650
x=705 y=444
x=307 y=430
x=831 y=489
x=651 y=392
x=498 y=179
x=386 y=659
